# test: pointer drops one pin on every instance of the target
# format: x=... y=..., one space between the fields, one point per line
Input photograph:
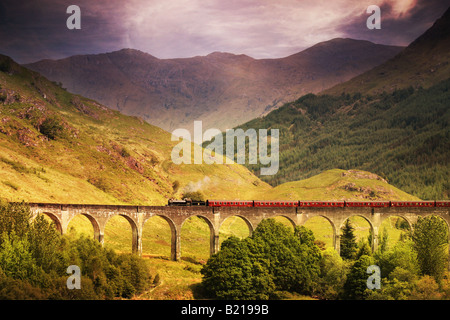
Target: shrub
x=51 y=128
x=273 y=259
x=34 y=258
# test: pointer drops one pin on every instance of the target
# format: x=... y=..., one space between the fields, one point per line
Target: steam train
x=300 y=203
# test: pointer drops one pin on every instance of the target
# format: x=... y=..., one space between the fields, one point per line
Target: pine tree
x=430 y=237
x=363 y=249
x=348 y=241
x=384 y=239
x=355 y=287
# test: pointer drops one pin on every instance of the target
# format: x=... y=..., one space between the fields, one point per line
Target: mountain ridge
x=422 y=63
x=172 y=93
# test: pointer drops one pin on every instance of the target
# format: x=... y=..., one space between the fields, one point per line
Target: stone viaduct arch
x=99 y=215
x=174 y=238
x=335 y=229
x=243 y=218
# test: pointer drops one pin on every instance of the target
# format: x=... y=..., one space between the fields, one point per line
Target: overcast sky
x=31 y=30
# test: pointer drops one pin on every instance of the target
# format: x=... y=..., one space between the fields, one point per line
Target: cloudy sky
x=31 y=30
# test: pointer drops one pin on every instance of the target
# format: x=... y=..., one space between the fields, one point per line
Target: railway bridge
x=99 y=215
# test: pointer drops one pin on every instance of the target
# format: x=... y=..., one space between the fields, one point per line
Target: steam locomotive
x=300 y=203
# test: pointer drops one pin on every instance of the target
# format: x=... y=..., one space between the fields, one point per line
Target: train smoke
x=197 y=186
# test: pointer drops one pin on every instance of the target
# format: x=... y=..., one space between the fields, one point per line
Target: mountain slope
x=337 y=184
x=172 y=93
x=423 y=63
x=401 y=135
x=60 y=147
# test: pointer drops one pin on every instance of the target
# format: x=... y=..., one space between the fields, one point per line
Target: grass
x=178 y=279
x=333 y=185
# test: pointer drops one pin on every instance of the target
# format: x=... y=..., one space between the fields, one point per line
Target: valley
x=357 y=121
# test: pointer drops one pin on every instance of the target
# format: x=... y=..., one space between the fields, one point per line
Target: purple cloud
x=32 y=30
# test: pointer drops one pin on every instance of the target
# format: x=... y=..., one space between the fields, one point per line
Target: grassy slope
x=338 y=184
x=99 y=155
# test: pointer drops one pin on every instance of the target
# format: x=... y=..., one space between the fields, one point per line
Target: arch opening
x=196 y=238
x=362 y=231
x=234 y=226
x=285 y=221
x=53 y=219
x=120 y=233
x=157 y=237
x=83 y=225
x=363 y=227
x=393 y=229
x=323 y=230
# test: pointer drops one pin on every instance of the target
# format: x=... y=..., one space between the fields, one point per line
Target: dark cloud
x=397 y=29
x=31 y=30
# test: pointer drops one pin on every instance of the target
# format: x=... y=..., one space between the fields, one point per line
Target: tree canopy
x=273 y=259
x=34 y=258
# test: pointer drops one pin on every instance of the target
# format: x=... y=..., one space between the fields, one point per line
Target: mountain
x=221 y=89
x=401 y=134
x=56 y=146
x=423 y=63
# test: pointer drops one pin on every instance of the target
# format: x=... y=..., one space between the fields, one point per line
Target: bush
x=333 y=274
x=51 y=128
x=236 y=273
x=430 y=237
x=34 y=258
x=273 y=259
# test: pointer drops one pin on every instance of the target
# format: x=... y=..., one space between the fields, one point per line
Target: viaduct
x=99 y=215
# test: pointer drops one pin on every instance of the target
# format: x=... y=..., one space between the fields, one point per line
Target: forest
x=401 y=136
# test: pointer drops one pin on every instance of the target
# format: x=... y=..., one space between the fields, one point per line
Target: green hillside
x=401 y=136
x=337 y=184
x=391 y=120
